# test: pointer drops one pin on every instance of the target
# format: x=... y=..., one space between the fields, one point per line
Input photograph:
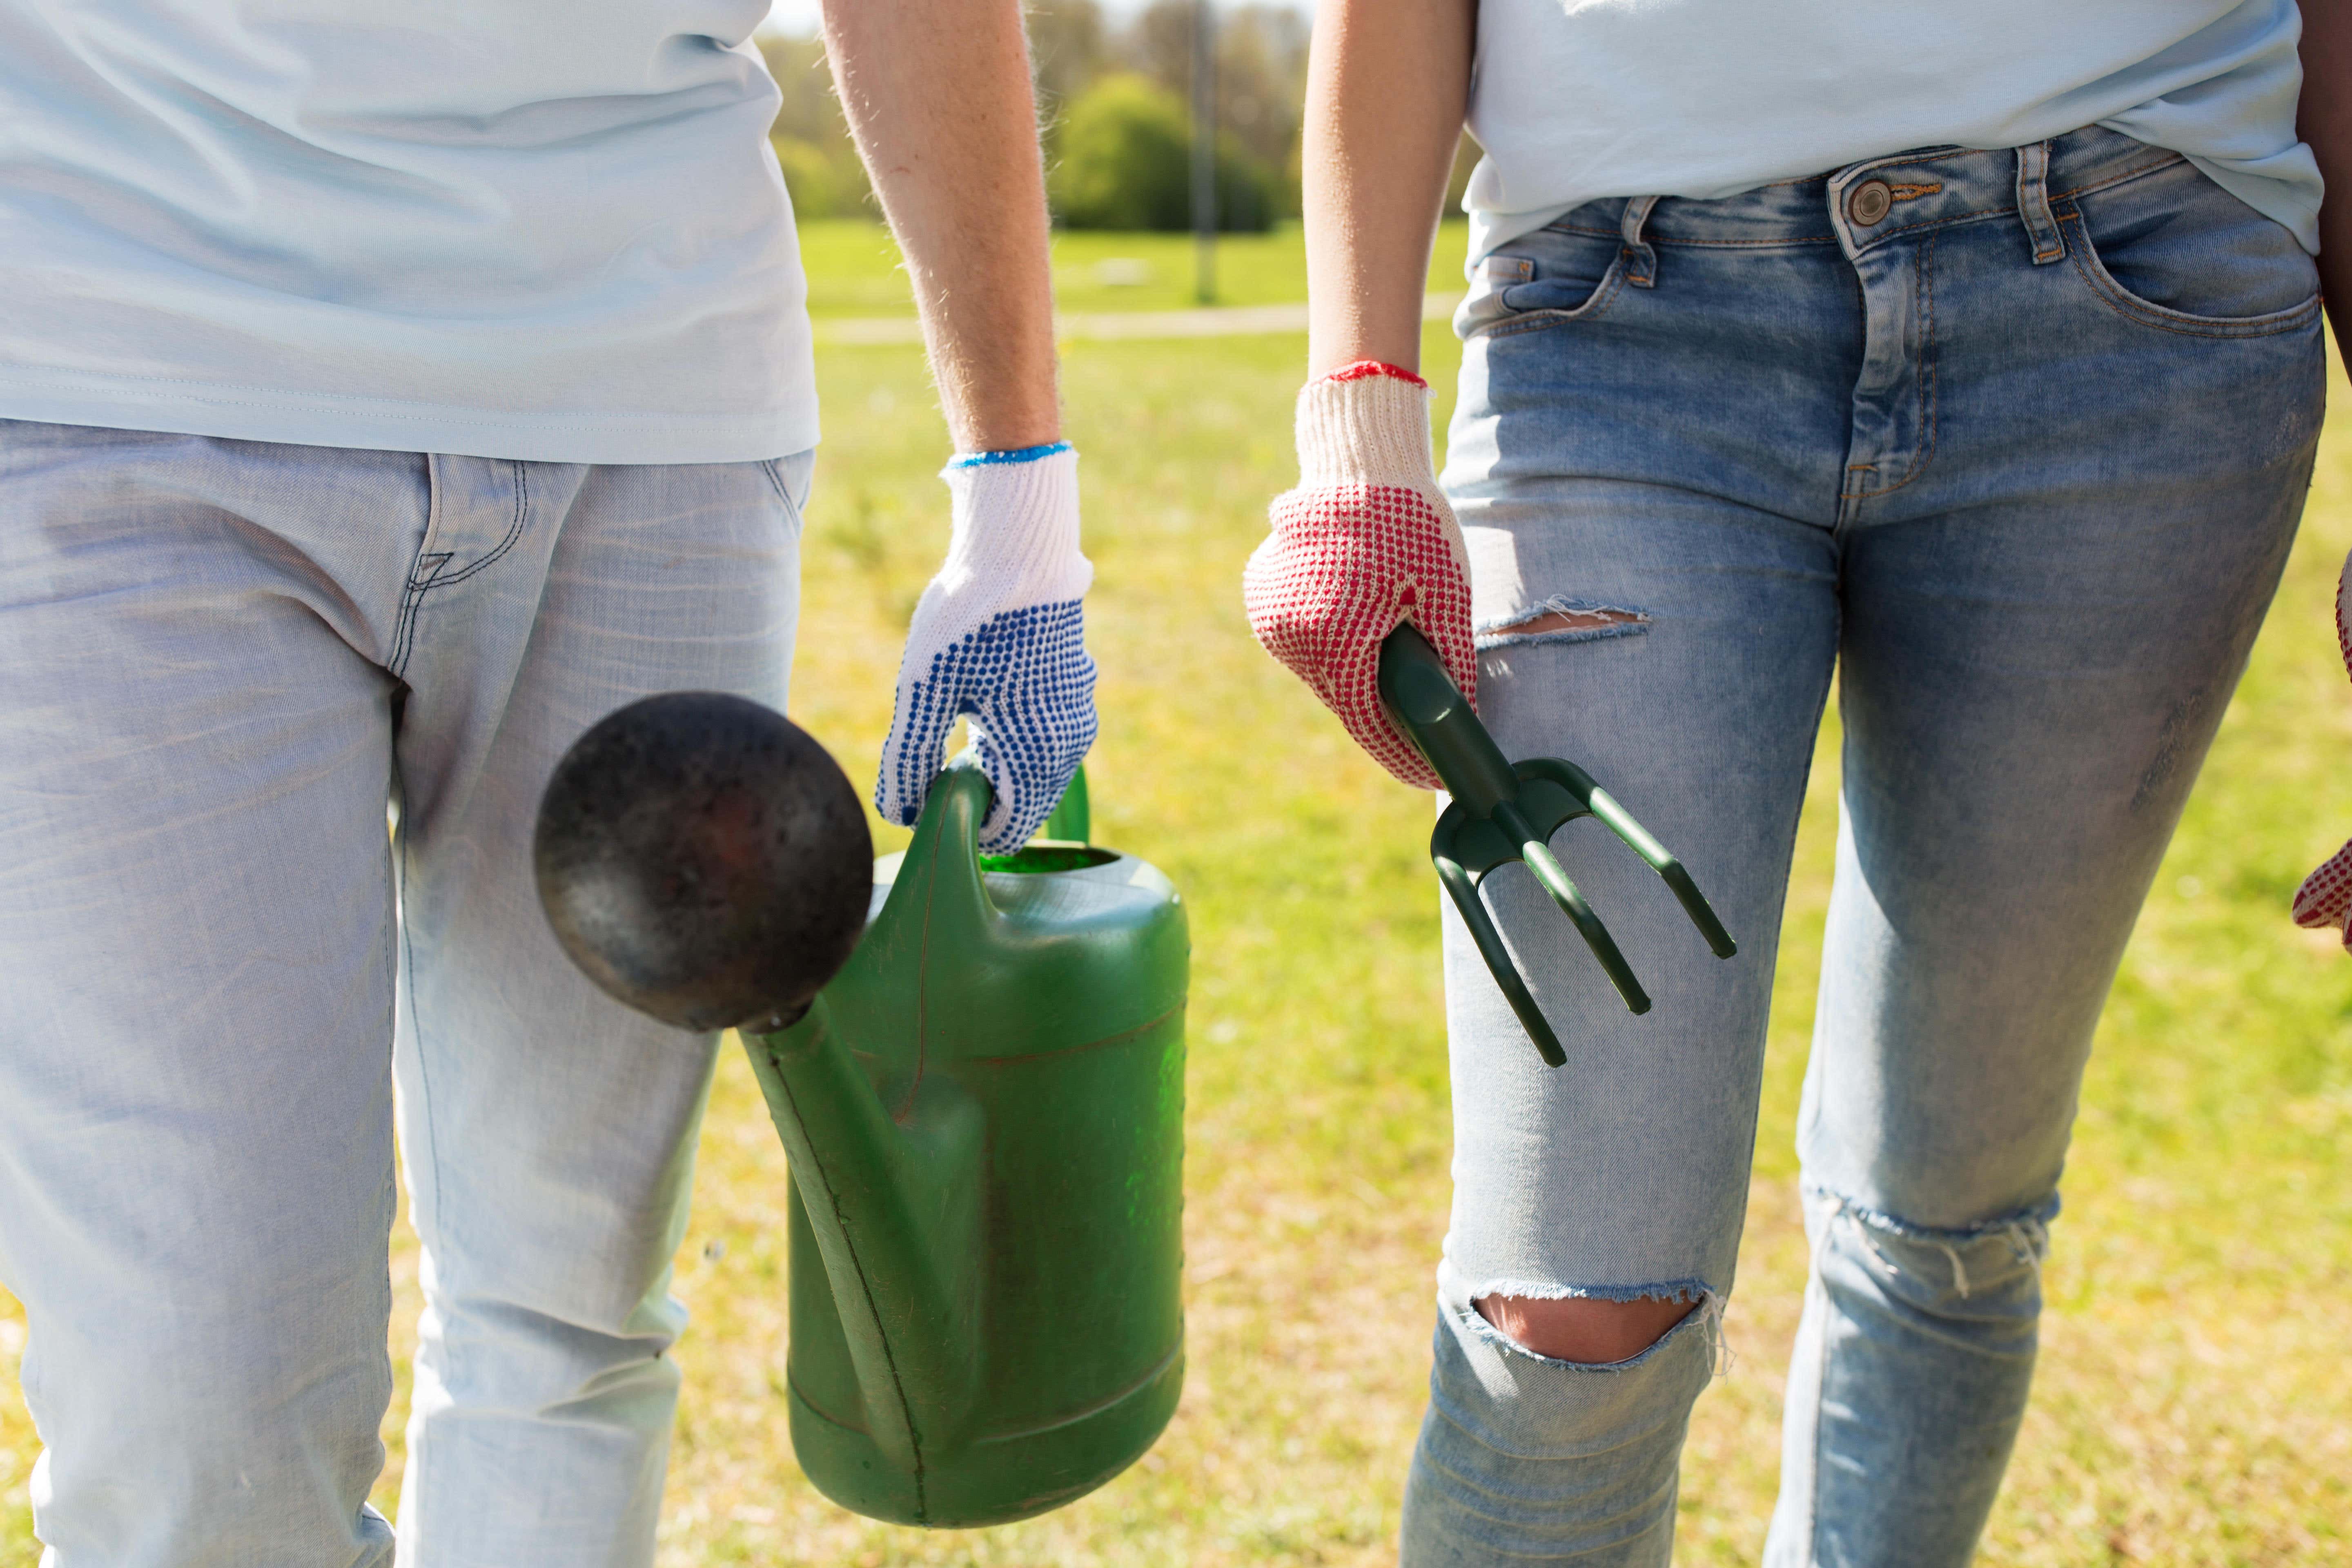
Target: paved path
x=1209 y=321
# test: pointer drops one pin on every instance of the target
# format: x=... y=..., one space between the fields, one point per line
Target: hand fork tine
x=1503 y=813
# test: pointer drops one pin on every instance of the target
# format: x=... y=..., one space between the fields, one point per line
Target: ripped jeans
x=2020 y=458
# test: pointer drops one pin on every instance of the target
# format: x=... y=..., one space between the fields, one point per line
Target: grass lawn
x=2192 y=1405
x=854 y=269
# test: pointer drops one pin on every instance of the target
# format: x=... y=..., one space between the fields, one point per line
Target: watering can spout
x=887 y=1161
x=892 y=1201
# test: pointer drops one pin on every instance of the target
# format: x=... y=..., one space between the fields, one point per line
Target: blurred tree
x=1125 y=163
x=1261 y=81
x=1159 y=44
x=1068 y=47
x=821 y=165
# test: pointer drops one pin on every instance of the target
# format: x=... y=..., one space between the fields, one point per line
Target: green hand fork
x=1504 y=811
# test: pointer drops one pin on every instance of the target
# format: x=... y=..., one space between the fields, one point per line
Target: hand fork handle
x=1423 y=701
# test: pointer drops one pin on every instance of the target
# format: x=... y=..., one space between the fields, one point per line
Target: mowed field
x=2194 y=1401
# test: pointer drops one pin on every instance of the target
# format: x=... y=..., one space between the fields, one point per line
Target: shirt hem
x=235 y=412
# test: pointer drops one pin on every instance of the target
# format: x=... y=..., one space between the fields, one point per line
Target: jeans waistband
x=1921 y=188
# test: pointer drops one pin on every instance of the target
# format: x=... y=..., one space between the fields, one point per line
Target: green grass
x=2192 y=1406
x=853 y=268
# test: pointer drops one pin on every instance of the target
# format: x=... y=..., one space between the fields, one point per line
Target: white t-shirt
x=541 y=229
x=1578 y=100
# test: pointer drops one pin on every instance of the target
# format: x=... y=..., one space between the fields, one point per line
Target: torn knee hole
x=1953 y=1264
x=1561 y=620
x=1586 y=1329
x=1573 y=621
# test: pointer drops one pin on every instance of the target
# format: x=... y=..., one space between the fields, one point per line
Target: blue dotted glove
x=998 y=637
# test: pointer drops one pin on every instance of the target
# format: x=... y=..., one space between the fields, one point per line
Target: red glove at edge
x=2326 y=897
x=1366 y=542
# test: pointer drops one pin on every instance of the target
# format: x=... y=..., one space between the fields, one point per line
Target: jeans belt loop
x=1641 y=260
x=2033 y=204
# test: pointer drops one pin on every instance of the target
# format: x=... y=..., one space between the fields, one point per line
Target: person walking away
x=1971 y=352
x=386 y=395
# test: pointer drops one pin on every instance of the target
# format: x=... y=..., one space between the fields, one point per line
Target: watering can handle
x=1069 y=821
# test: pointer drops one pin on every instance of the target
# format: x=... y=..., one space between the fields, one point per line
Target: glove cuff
x=1365 y=424
x=1016 y=526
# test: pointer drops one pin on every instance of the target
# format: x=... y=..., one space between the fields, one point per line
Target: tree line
x=1115 y=100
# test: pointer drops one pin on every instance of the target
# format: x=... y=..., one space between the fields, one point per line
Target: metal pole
x=1204 y=149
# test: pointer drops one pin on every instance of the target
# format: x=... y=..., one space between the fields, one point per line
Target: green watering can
x=984 y=1112
x=1503 y=813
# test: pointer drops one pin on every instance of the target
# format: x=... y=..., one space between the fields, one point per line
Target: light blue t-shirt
x=543 y=230
x=1578 y=100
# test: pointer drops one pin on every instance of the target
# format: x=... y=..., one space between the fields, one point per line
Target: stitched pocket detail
x=795 y=512
x=431 y=568
x=1553 y=275
x=1540 y=316
x=2162 y=212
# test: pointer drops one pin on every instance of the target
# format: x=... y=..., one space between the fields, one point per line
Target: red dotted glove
x=2326 y=897
x=1366 y=542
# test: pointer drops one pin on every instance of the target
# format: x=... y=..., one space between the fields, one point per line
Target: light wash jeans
x=217 y=661
x=2020 y=460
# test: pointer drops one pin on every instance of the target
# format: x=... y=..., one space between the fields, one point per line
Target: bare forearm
x=2325 y=121
x=1387 y=84
x=938 y=97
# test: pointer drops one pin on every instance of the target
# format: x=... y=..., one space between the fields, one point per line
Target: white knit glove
x=1365 y=543
x=999 y=638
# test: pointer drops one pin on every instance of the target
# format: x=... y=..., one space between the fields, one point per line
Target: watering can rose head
x=702 y=859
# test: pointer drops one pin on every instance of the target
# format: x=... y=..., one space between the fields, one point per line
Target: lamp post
x=1204 y=149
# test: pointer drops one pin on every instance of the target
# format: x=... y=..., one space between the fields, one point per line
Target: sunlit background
x=2194 y=1401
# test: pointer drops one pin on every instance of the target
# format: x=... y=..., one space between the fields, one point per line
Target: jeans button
x=1868 y=201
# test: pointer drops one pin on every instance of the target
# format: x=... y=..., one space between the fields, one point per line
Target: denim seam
x=1922 y=285
x=1706 y=244
x=420 y=571
x=2159 y=318
x=793 y=515
x=404 y=631
x=514 y=530
x=1813 y=1475
x=2136 y=172
x=775 y=481
x=423 y=1078
x=411 y=602
x=1975 y=214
